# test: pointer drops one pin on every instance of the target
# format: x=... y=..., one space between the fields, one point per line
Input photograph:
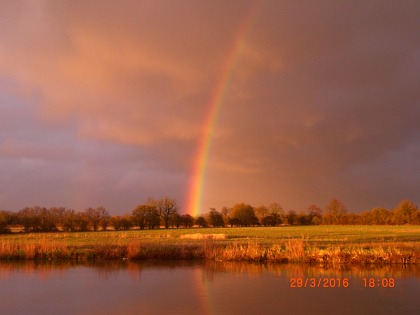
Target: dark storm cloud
x=345 y=98
x=110 y=100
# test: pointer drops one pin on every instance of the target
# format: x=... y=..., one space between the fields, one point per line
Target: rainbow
x=196 y=188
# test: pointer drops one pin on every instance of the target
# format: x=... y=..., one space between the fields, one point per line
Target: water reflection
x=203 y=288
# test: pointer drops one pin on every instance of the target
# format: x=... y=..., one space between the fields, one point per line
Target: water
x=206 y=288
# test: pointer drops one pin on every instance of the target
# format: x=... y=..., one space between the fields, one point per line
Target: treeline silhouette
x=164 y=213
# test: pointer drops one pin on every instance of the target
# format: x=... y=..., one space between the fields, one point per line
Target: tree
x=47 y=221
x=261 y=212
x=416 y=218
x=245 y=214
x=405 y=213
x=233 y=221
x=378 y=216
x=201 y=221
x=116 y=222
x=26 y=218
x=106 y=220
x=96 y=216
x=225 y=211
x=292 y=217
x=270 y=220
x=153 y=219
x=36 y=219
x=57 y=215
x=69 y=220
x=187 y=220
x=82 y=222
x=5 y=220
x=275 y=208
x=303 y=218
x=166 y=207
x=215 y=218
x=314 y=214
x=335 y=212
x=316 y=220
x=175 y=220
x=352 y=218
x=121 y=222
x=145 y=216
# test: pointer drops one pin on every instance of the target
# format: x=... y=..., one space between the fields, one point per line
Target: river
x=206 y=288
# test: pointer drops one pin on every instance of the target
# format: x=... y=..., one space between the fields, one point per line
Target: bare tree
x=261 y=212
x=335 y=213
x=225 y=211
x=146 y=216
x=124 y=222
x=96 y=216
x=166 y=207
x=70 y=220
x=314 y=214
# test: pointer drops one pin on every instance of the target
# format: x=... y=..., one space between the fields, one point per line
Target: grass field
x=319 y=244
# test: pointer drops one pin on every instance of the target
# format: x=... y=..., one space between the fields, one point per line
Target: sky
x=107 y=103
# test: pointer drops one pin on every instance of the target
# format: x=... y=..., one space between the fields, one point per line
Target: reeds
x=199 y=236
x=164 y=251
x=41 y=250
x=293 y=250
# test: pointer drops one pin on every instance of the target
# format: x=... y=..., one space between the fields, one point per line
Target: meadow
x=314 y=244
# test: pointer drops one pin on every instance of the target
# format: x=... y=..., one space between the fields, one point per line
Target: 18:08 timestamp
x=378 y=282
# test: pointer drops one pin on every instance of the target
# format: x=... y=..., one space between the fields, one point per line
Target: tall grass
x=200 y=236
x=321 y=245
x=42 y=250
x=289 y=251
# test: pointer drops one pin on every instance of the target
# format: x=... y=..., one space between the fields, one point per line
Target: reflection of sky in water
x=191 y=288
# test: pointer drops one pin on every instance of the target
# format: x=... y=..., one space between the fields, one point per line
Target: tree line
x=164 y=213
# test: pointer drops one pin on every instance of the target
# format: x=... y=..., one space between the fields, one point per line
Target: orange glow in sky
x=209 y=103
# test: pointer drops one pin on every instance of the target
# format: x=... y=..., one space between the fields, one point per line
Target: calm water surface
x=206 y=288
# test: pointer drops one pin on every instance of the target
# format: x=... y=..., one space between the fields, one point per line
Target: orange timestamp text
x=338 y=282
x=321 y=282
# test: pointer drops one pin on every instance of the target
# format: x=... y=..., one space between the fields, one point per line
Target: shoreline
x=356 y=245
x=291 y=251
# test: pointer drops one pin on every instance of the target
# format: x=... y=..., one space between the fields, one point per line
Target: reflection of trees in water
x=210 y=269
x=42 y=269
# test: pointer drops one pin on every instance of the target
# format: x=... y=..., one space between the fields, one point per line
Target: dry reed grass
x=40 y=250
x=293 y=250
x=199 y=236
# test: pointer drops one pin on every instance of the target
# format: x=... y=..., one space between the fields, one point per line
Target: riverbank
x=321 y=245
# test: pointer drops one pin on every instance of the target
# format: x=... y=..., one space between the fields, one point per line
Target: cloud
x=321 y=98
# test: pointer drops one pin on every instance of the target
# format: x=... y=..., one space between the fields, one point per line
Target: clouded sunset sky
x=107 y=103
